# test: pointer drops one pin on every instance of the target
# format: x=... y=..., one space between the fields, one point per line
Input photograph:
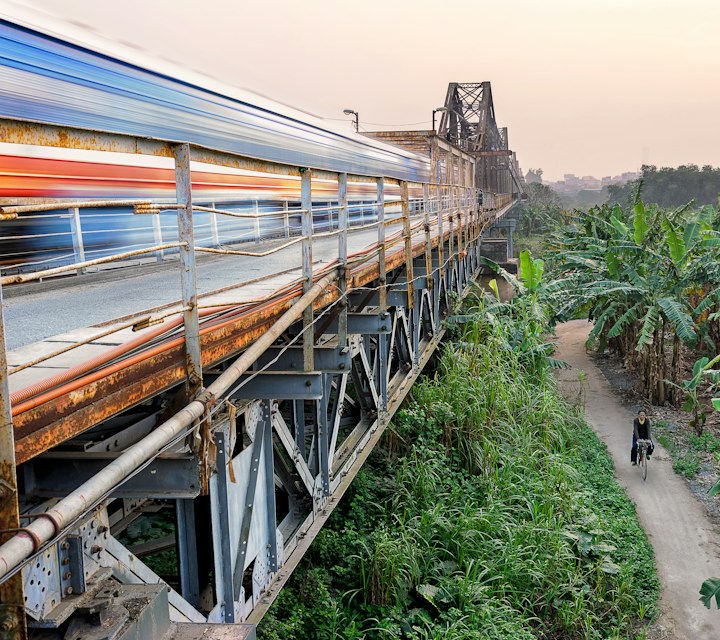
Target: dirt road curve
x=687 y=545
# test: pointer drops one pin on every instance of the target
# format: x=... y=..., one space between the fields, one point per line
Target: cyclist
x=641 y=431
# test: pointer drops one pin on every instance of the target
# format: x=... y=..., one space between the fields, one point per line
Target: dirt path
x=686 y=543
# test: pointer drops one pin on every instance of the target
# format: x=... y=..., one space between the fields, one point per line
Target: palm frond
x=650 y=323
x=679 y=318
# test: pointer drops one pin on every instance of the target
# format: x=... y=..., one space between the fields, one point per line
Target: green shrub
x=687 y=465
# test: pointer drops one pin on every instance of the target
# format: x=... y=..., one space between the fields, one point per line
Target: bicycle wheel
x=644 y=465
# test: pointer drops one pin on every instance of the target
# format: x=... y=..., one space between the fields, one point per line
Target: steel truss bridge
x=245 y=404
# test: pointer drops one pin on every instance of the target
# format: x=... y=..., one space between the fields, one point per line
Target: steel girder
x=468 y=121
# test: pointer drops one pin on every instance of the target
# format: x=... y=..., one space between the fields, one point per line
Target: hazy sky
x=585 y=86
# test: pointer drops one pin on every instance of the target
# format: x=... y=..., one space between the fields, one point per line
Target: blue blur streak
x=46 y=80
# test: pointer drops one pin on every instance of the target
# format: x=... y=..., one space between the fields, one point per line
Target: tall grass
x=490 y=512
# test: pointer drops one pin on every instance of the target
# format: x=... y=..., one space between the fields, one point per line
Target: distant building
x=572 y=184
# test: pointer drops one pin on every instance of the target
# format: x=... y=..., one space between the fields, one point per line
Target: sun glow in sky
x=591 y=87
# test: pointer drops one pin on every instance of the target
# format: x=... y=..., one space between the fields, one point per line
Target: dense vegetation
x=489 y=510
x=650 y=280
x=537 y=216
x=671 y=187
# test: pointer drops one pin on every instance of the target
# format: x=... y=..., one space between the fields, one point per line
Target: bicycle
x=642 y=458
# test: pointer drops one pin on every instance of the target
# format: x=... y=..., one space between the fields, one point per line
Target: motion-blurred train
x=57 y=73
x=30 y=174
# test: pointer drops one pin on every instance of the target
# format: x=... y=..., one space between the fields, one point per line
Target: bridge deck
x=244 y=311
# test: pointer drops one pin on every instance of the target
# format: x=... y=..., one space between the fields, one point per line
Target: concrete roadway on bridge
x=39 y=310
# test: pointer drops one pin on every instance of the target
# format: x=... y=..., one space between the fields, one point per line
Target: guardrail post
x=428 y=237
x=342 y=257
x=382 y=294
x=408 y=243
x=409 y=273
x=157 y=235
x=441 y=227
x=188 y=274
x=380 y=199
x=77 y=239
x=12 y=594
x=307 y=251
x=214 y=227
x=451 y=237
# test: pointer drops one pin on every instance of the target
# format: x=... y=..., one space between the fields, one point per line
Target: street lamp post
x=350 y=112
x=434 y=112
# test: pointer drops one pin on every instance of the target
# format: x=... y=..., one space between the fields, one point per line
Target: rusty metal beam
x=12 y=598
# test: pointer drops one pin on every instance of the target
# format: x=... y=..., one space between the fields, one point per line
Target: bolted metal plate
x=279 y=385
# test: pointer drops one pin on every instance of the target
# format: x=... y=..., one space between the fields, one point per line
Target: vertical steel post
x=267 y=408
x=157 y=235
x=188 y=274
x=12 y=597
x=408 y=244
x=77 y=239
x=451 y=202
x=380 y=198
x=440 y=215
x=307 y=251
x=382 y=296
x=187 y=551
x=214 y=227
x=226 y=571
x=323 y=437
x=428 y=237
x=342 y=257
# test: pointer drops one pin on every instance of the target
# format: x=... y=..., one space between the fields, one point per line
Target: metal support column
x=307 y=233
x=451 y=220
x=381 y=244
x=272 y=547
x=187 y=551
x=323 y=437
x=188 y=275
x=342 y=257
x=428 y=238
x=408 y=243
x=228 y=596
x=409 y=272
x=12 y=597
x=77 y=238
x=382 y=296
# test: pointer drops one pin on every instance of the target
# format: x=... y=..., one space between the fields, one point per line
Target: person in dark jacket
x=641 y=431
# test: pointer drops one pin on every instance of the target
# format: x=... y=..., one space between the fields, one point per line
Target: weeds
x=489 y=511
x=687 y=465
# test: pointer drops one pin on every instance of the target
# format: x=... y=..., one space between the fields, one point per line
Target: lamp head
x=349 y=112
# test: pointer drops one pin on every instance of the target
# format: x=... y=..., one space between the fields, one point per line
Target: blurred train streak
x=31 y=174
